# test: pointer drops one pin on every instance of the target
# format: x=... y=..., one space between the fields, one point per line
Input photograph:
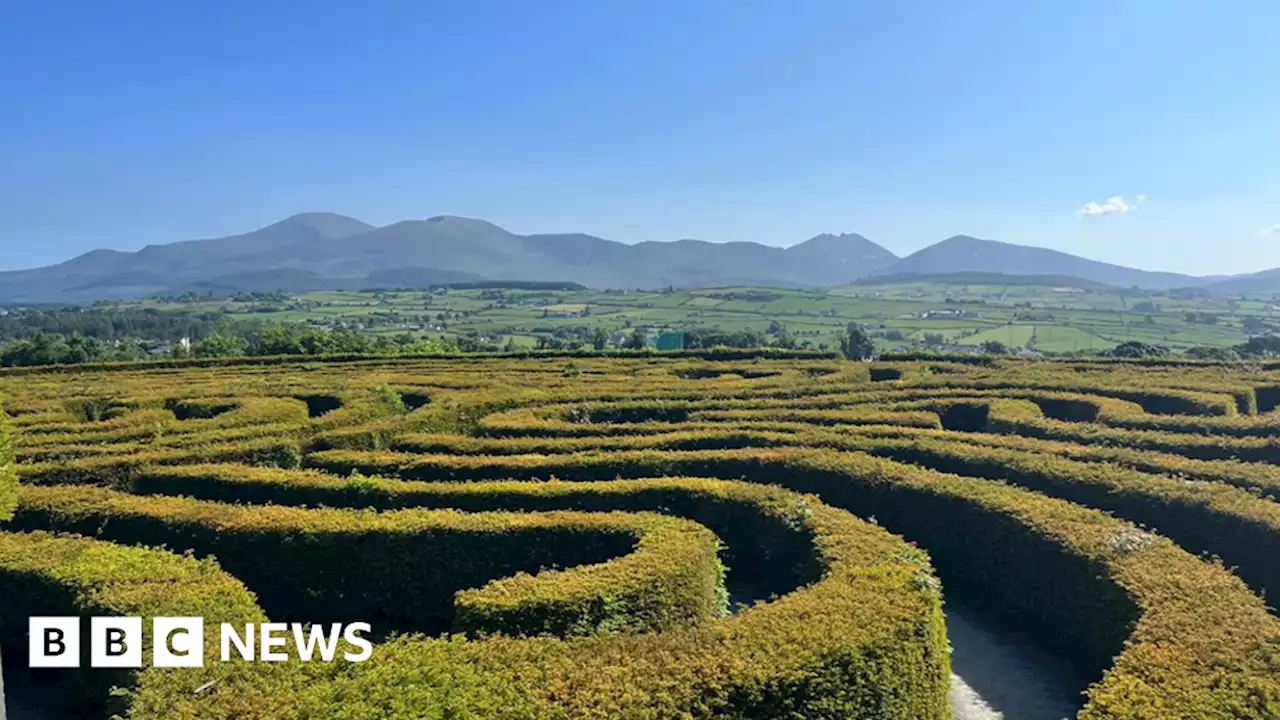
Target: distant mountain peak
x=965 y=253
x=842 y=247
x=836 y=236
x=969 y=240
x=458 y=220
x=323 y=250
x=326 y=224
x=464 y=224
x=318 y=216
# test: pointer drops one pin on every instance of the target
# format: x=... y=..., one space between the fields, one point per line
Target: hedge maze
x=652 y=538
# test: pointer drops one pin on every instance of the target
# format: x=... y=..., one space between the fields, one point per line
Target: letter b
x=115 y=642
x=54 y=642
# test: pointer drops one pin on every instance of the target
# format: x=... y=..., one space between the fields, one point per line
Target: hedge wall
x=1187 y=637
x=45 y=575
x=859 y=634
x=401 y=571
x=8 y=475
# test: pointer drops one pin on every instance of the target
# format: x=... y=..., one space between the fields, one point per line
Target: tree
x=994 y=347
x=1255 y=325
x=638 y=340
x=857 y=344
x=1218 y=354
x=599 y=337
x=1135 y=349
x=1262 y=346
x=43 y=349
x=81 y=349
x=219 y=345
x=279 y=339
x=785 y=339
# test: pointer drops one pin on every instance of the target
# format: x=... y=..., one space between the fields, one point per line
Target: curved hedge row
x=1005 y=417
x=1073 y=577
x=485 y=503
x=325 y=565
x=1258 y=478
x=45 y=575
x=859 y=633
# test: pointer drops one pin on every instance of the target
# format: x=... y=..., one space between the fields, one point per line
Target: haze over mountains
x=324 y=251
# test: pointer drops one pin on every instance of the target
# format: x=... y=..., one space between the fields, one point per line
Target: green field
x=1050 y=319
x=1010 y=335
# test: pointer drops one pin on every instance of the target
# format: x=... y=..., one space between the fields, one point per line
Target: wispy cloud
x=1273 y=230
x=1113 y=206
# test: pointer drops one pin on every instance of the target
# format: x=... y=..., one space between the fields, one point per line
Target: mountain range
x=325 y=251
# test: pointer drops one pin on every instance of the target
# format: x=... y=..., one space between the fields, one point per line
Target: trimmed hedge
x=227 y=438
x=1259 y=478
x=1075 y=407
x=272 y=452
x=8 y=476
x=1256 y=477
x=762 y=550
x=821 y=417
x=862 y=638
x=1158 y=632
x=332 y=566
x=710 y=354
x=1217 y=518
x=715 y=438
x=1203 y=517
x=1160 y=400
x=45 y=575
x=1077 y=581
x=1004 y=418
x=131 y=426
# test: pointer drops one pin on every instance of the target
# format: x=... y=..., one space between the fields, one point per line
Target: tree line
x=108 y=324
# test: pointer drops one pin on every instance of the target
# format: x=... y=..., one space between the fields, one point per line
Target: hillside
x=319 y=251
x=1259 y=284
x=968 y=254
x=973 y=277
x=325 y=251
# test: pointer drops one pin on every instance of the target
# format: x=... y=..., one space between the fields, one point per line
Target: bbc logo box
x=115 y=642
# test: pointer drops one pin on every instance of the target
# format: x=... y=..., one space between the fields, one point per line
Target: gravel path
x=997 y=678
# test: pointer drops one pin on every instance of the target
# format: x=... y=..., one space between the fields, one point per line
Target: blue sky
x=132 y=122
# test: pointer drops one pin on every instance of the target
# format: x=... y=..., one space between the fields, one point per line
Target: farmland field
x=900 y=315
x=725 y=535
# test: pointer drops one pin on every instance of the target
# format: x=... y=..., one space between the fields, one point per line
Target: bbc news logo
x=116 y=642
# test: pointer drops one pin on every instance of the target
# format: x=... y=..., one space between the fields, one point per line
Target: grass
x=1010 y=335
x=1048 y=318
x=1063 y=338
